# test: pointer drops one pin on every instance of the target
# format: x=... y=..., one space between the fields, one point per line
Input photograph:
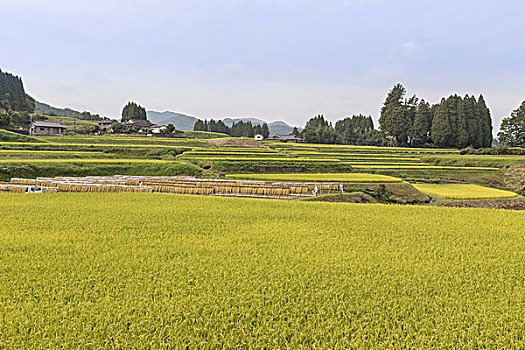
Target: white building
x=158 y=129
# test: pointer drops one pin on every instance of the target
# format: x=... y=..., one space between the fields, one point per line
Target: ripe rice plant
x=299 y=146
x=89 y=160
x=463 y=191
x=344 y=154
x=343 y=177
x=127 y=145
x=146 y=270
x=48 y=152
x=269 y=159
x=218 y=154
x=420 y=166
x=229 y=150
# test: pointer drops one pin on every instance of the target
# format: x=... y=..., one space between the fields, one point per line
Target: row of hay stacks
x=165 y=184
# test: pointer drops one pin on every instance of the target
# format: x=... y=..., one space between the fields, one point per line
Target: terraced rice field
x=142 y=270
x=463 y=191
x=242 y=158
x=343 y=178
x=124 y=145
x=358 y=157
x=420 y=166
x=350 y=148
x=90 y=160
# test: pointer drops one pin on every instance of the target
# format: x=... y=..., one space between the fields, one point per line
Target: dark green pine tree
x=199 y=126
x=477 y=142
x=452 y=112
x=257 y=129
x=471 y=114
x=440 y=130
x=462 y=136
x=421 y=126
x=486 y=123
x=265 y=131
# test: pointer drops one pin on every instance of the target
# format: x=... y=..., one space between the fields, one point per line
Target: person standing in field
x=315 y=190
x=341 y=188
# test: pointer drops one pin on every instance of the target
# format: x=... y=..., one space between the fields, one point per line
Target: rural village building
x=105 y=125
x=138 y=123
x=47 y=128
x=258 y=137
x=158 y=129
x=285 y=138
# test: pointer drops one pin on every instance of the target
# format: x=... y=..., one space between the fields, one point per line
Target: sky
x=271 y=59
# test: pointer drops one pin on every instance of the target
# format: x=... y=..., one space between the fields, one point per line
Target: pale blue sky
x=272 y=59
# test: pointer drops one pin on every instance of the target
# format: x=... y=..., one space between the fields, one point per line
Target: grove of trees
x=512 y=130
x=454 y=122
x=355 y=130
x=133 y=111
x=238 y=129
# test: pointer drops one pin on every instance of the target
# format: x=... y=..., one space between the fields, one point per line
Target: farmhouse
x=47 y=128
x=158 y=129
x=138 y=123
x=285 y=138
x=105 y=125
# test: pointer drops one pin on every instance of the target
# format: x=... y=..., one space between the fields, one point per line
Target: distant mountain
x=280 y=128
x=43 y=108
x=180 y=121
x=185 y=122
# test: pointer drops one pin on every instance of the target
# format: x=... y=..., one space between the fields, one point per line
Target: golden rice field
x=266 y=159
x=83 y=144
x=298 y=146
x=423 y=166
x=96 y=139
x=90 y=160
x=463 y=191
x=8 y=151
x=342 y=177
x=348 y=154
x=234 y=150
x=142 y=270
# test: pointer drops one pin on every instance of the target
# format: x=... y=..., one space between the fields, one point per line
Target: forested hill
x=42 y=108
x=12 y=94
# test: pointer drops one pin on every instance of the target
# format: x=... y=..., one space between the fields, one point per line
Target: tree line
x=355 y=130
x=238 y=129
x=454 y=122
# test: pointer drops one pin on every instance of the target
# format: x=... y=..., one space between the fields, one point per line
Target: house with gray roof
x=47 y=128
x=139 y=123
